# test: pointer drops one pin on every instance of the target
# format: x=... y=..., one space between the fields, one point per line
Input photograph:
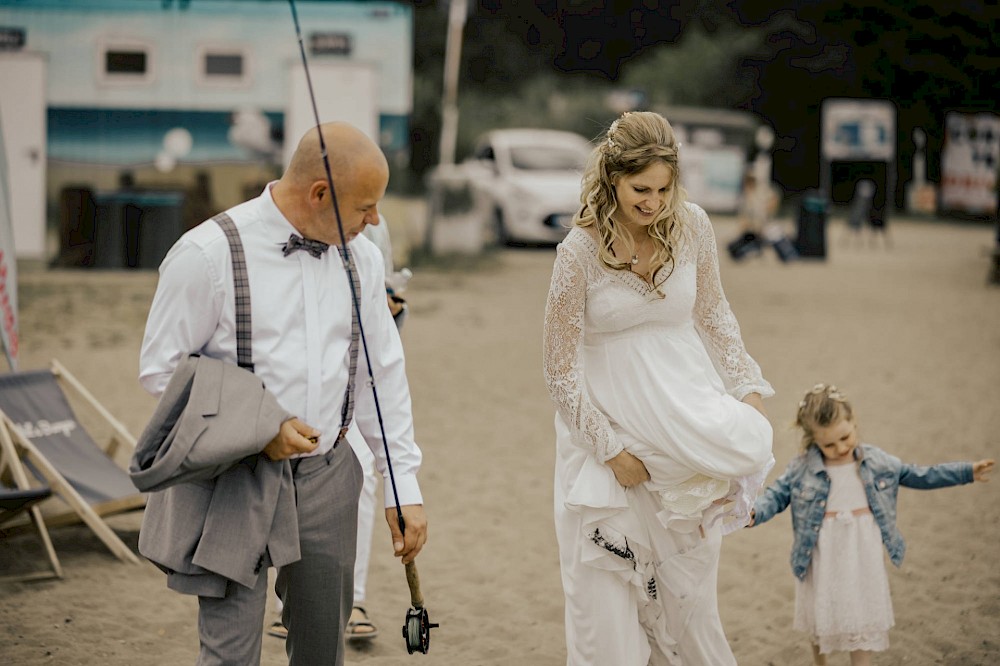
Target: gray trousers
x=316 y=592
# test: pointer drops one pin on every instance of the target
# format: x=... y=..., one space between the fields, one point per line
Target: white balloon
x=177 y=142
x=165 y=162
x=764 y=137
x=251 y=129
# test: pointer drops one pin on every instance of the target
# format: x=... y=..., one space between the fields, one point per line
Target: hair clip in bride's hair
x=614 y=128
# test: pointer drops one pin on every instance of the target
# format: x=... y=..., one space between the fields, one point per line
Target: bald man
x=302 y=350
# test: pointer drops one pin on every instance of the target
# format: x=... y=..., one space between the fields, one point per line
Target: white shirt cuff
x=406 y=486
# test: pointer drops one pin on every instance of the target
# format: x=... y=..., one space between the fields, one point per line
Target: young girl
x=843 y=499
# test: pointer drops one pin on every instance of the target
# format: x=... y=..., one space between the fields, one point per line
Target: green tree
x=701 y=69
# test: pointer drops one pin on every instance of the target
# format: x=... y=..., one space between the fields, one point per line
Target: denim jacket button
x=881 y=484
x=815 y=528
x=822 y=502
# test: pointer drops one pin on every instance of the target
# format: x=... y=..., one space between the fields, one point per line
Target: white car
x=531 y=181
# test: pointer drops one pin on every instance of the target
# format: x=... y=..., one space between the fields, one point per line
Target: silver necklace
x=635 y=257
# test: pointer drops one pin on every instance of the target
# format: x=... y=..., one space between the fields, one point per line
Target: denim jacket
x=806 y=485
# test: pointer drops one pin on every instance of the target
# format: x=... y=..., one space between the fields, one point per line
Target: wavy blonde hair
x=822 y=406
x=632 y=143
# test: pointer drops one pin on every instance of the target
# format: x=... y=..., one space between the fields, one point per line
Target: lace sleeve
x=715 y=319
x=563 y=356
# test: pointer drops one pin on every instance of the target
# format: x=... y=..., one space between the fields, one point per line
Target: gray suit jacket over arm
x=211 y=415
x=218 y=502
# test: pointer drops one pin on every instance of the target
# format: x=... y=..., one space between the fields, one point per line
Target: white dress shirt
x=301 y=324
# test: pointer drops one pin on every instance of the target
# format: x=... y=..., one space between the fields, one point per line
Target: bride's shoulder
x=581 y=240
x=697 y=227
x=696 y=217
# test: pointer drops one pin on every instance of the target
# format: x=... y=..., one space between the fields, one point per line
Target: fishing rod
x=417 y=625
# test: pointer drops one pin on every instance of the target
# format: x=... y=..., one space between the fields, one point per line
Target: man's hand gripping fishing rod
x=417 y=626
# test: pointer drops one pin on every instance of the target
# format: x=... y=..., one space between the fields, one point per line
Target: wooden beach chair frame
x=16 y=447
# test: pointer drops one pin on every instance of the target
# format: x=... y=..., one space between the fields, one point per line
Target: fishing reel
x=417 y=626
x=417 y=630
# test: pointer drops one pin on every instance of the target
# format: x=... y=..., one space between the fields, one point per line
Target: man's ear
x=317 y=192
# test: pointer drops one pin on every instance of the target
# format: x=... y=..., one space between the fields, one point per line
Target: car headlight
x=561 y=221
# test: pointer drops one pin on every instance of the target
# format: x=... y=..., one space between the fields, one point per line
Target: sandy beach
x=911 y=334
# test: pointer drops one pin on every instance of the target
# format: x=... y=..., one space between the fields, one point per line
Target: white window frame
x=120 y=78
x=204 y=80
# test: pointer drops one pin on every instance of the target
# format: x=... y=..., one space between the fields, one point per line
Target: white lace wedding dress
x=659 y=371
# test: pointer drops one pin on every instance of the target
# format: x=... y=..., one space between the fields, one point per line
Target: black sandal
x=352 y=633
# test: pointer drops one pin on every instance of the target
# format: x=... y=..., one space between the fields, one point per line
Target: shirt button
x=816 y=528
x=822 y=502
x=881 y=484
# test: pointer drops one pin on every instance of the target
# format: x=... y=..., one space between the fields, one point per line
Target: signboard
x=330 y=43
x=8 y=267
x=857 y=142
x=11 y=39
x=969 y=162
x=713 y=176
x=858 y=129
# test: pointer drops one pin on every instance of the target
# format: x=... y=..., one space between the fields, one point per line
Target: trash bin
x=77 y=219
x=459 y=219
x=811 y=241
x=136 y=228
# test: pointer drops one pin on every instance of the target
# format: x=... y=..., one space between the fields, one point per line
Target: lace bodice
x=587 y=301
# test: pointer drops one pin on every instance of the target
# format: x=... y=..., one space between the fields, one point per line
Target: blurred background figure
x=359 y=625
x=865 y=212
x=860 y=210
x=752 y=216
x=757 y=225
x=754 y=210
x=878 y=219
x=395 y=281
x=994 y=276
x=198 y=202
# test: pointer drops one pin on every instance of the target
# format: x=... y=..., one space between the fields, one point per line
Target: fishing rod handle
x=413 y=580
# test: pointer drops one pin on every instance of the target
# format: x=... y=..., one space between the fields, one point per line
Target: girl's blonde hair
x=632 y=143
x=822 y=406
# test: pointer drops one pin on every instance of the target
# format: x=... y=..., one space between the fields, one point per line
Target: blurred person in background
x=360 y=626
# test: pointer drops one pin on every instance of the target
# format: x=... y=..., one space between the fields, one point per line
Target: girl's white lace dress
x=843 y=602
x=658 y=371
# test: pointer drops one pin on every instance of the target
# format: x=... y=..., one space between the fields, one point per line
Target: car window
x=547 y=158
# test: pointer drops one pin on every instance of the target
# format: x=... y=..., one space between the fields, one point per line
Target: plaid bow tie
x=314 y=247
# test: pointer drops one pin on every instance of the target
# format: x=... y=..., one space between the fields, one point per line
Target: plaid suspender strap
x=347 y=411
x=241 y=287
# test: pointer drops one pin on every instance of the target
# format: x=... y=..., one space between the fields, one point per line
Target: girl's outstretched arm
x=774 y=500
